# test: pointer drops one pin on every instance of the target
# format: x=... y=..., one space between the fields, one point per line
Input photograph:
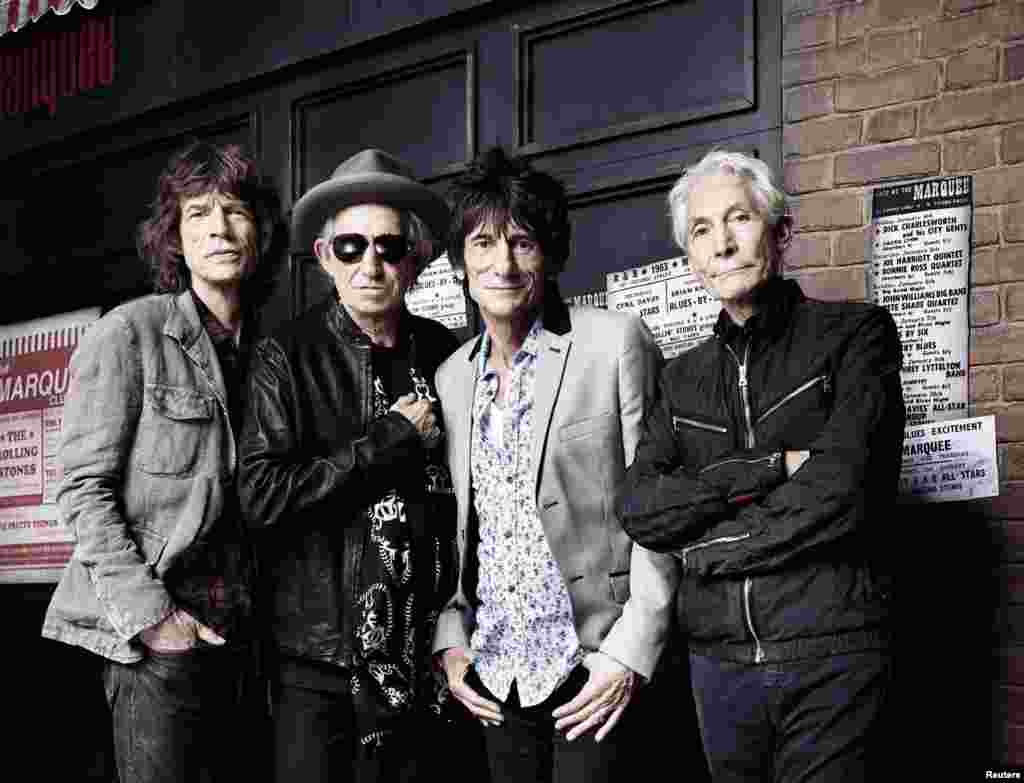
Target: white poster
x=950 y=460
x=438 y=295
x=34 y=360
x=670 y=299
x=920 y=262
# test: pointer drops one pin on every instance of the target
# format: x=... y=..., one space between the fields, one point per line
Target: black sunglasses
x=390 y=248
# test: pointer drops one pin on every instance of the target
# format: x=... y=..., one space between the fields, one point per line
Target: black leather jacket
x=777 y=568
x=311 y=458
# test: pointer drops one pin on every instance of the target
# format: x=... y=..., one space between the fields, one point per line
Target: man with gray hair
x=768 y=468
x=342 y=482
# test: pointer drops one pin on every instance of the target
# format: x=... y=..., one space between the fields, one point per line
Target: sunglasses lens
x=390 y=248
x=349 y=248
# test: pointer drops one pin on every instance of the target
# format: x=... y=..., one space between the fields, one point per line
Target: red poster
x=34 y=359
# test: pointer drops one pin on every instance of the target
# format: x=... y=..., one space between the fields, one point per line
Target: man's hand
x=177 y=633
x=602 y=700
x=794 y=459
x=421 y=414
x=456 y=662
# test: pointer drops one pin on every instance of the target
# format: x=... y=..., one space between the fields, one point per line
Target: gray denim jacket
x=149 y=461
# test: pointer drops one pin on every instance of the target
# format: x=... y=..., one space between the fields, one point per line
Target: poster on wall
x=950 y=460
x=34 y=359
x=438 y=295
x=671 y=301
x=920 y=260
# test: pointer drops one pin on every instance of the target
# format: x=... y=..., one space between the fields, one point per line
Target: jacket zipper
x=748 y=583
x=712 y=542
x=771 y=459
x=698 y=424
x=822 y=379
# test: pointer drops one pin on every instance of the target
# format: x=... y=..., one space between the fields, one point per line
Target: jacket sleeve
x=277 y=477
x=853 y=465
x=668 y=503
x=101 y=414
x=638 y=637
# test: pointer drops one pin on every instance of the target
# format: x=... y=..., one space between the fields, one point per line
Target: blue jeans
x=794 y=722
x=179 y=717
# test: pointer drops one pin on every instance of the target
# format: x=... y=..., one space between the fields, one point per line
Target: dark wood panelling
x=633 y=67
x=424 y=113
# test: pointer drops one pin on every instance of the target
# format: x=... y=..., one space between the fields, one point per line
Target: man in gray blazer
x=556 y=614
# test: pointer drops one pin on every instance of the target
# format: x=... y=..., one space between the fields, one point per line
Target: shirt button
x=508 y=534
x=509 y=479
x=511 y=588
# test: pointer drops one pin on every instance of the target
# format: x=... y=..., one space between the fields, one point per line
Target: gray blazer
x=595 y=378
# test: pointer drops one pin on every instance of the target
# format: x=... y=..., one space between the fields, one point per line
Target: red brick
x=1009 y=20
x=891 y=124
x=817 y=136
x=852 y=21
x=1010 y=263
x=961 y=6
x=985 y=306
x=891 y=47
x=1014 y=462
x=817 y=64
x=895 y=161
x=1013 y=56
x=984 y=384
x=1013 y=144
x=1013 y=381
x=834 y=285
x=891 y=11
x=986 y=106
x=973 y=67
x=999 y=186
x=804 y=176
x=808 y=250
x=968 y=152
x=998 y=345
x=810 y=6
x=958 y=33
x=1015 y=302
x=983 y=266
x=801 y=32
x=1009 y=422
x=810 y=100
x=826 y=212
x=851 y=247
x=896 y=86
x=986 y=228
x=1013 y=223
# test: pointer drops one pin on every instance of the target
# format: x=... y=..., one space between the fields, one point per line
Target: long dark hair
x=197 y=169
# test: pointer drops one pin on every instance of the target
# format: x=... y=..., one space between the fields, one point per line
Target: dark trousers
x=795 y=722
x=178 y=717
x=316 y=737
x=526 y=747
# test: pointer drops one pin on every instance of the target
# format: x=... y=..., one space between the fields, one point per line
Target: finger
x=589 y=693
x=208 y=635
x=594 y=720
x=609 y=724
x=476 y=704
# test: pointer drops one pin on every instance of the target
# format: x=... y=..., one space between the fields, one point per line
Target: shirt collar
x=529 y=349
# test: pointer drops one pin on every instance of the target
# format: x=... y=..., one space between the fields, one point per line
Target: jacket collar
x=350 y=329
x=774 y=300
x=183 y=322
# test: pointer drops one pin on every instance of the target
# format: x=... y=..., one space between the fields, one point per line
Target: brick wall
x=887 y=90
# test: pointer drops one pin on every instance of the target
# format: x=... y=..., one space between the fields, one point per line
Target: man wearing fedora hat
x=342 y=480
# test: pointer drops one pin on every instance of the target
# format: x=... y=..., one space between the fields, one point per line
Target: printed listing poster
x=438 y=295
x=34 y=360
x=950 y=460
x=920 y=262
x=671 y=301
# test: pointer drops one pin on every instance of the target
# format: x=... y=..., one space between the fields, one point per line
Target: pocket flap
x=178 y=403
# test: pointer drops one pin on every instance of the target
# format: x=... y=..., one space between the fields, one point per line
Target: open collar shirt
x=525 y=631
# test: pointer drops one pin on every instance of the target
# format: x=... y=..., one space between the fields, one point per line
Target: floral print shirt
x=525 y=631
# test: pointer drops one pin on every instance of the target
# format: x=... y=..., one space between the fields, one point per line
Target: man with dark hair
x=557 y=616
x=345 y=488
x=769 y=469
x=159 y=580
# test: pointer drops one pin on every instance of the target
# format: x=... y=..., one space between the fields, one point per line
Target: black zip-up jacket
x=777 y=568
x=312 y=457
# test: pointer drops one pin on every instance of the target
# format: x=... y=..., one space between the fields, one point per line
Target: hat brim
x=324 y=200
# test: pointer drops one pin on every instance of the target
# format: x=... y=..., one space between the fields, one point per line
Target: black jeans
x=795 y=722
x=526 y=747
x=180 y=717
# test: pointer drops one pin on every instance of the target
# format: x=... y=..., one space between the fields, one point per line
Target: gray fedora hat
x=368 y=177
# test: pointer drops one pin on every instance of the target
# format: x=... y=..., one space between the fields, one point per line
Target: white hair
x=770 y=200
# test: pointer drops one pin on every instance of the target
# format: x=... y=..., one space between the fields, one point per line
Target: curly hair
x=197 y=169
x=498 y=189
